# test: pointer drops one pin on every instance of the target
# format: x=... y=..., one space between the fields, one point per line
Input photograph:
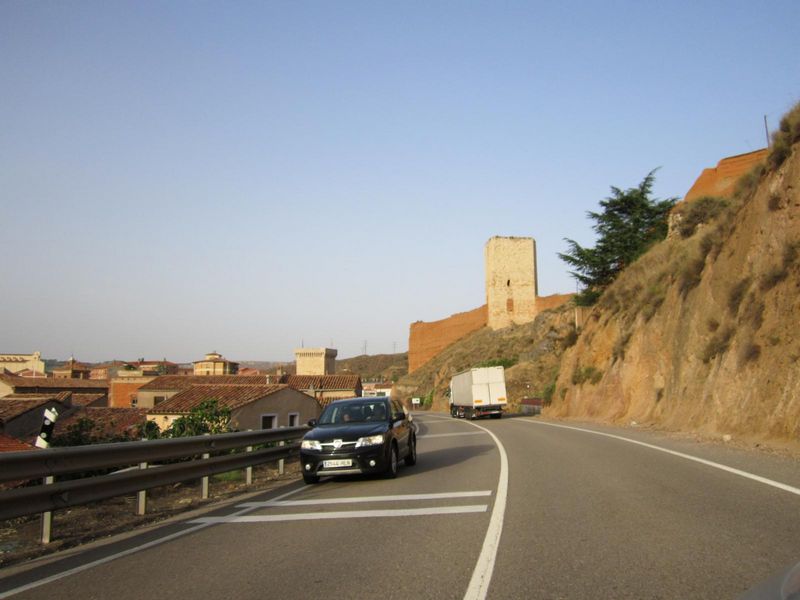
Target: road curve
x=585 y=515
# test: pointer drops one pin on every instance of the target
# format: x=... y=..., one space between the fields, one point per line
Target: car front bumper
x=370 y=459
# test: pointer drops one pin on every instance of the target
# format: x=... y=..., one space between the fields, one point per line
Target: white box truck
x=478 y=393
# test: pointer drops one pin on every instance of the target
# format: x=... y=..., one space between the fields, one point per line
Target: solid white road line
x=482 y=574
x=128 y=552
x=397 y=498
x=350 y=514
x=438 y=435
x=709 y=463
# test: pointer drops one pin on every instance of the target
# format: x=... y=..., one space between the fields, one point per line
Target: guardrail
x=51 y=463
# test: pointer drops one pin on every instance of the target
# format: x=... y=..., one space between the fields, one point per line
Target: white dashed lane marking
x=357 y=499
x=354 y=514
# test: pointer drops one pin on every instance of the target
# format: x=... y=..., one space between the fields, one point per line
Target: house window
x=268 y=421
x=134 y=401
x=294 y=419
x=158 y=399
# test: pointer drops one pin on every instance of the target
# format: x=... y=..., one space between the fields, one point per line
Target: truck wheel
x=411 y=457
x=497 y=416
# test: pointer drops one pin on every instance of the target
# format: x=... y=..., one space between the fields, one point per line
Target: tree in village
x=631 y=221
x=208 y=417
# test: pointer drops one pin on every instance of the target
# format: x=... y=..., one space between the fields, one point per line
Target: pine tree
x=631 y=222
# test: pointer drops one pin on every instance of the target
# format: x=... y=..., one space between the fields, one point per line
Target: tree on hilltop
x=631 y=222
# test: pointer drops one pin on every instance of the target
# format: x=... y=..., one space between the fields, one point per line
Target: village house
x=252 y=406
x=372 y=390
x=18 y=363
x=326 y=388
x=72 y=369
x=12 y=384
x=162 y=388
x=105 y=423
x=215 y=364
x=21 y=415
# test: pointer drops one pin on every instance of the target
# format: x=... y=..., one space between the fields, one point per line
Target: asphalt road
x=511 y=508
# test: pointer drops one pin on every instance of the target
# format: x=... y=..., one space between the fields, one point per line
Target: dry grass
x=700 y=212
x=591 y=374
x=785 y=137
x=718 y=344
x=736 y=294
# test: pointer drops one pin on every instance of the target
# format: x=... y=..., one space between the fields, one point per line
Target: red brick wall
x=426 y=340
x=120 y=392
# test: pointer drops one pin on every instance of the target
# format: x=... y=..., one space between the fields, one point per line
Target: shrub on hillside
x=746 y=184
x=506 y=363
x=718 y=344
x=782 y=140
x=736 y=295
x=690 y=275
x=699 y=212
x=590 y=374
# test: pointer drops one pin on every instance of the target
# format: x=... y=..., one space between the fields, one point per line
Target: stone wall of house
x=426 y=340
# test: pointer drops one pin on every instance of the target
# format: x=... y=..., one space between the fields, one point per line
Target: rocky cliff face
x=703 y=332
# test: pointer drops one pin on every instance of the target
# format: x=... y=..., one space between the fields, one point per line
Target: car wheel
x=411 y=458
x=391 y=470
x=309 y=479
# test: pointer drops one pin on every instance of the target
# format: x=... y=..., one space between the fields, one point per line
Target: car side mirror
x=312 y=422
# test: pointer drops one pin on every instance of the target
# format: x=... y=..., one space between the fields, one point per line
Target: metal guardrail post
x=281 y=461
x=204 y=493
x=47 y=517
x=141 y=496
x=248 y=472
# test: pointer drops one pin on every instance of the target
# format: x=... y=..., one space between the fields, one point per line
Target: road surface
x=511 y=508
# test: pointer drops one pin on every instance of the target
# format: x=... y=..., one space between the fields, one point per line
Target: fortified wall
x=511 y=299
x=719 y=181
x=426 y=340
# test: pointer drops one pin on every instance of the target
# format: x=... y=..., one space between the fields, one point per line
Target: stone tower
x=315 y=361
x=511 y=285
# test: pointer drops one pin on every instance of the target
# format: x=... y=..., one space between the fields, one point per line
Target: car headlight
x=370 y=440
x=311 y=445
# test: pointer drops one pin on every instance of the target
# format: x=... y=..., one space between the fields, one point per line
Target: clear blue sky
x=181 y=177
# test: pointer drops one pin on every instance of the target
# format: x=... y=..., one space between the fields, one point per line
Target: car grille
x=330 y=447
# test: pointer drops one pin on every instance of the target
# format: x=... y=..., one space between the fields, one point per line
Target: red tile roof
x=10 y=444
x=228 y=396
x=89 y=399
x=50 y=382
x=182 y=382
x=323 y=382
x=107 y=421
x=11 y=409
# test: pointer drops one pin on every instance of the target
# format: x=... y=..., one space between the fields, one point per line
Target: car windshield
x=355 y=412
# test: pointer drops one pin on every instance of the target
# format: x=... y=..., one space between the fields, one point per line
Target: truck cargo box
x=478 y=392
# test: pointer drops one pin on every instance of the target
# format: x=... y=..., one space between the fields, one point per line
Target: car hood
x=346 y=431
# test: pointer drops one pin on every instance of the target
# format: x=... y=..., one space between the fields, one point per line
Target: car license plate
x=342 y=462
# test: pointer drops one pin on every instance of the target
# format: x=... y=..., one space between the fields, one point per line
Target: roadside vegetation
x=631 y=222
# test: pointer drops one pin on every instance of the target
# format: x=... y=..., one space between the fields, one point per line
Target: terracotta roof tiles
x=182 y=382
x=10 y=444
x=323 y=382
x=107 y=421
x=228 y=396
x=11 y=409
x=50 y=382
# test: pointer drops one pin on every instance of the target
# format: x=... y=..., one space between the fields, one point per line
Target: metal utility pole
x=766 y=130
